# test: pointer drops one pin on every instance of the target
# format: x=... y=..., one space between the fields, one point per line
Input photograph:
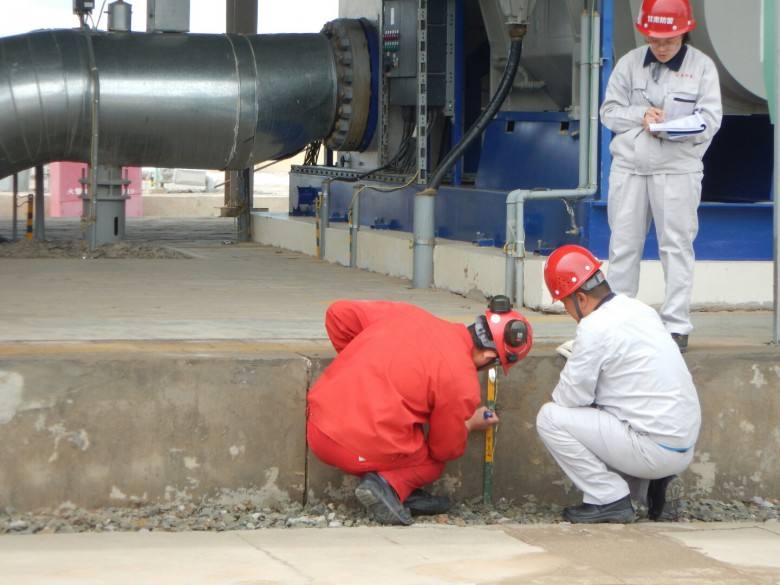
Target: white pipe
x=595 y=86
x=584 y=110
x=515 y=201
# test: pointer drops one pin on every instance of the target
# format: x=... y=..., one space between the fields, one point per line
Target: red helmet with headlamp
x=503 y=330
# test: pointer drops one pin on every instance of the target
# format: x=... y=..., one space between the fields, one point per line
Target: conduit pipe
x=354 y=224
x=424 y=202
x=515 y=202
x=182 y=100
x=323 y=218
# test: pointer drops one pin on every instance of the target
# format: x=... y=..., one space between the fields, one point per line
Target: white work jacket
x=631 y=90
x=626 y=363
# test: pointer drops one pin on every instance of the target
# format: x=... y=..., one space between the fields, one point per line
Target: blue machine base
x=727 y=231
x=526 y=150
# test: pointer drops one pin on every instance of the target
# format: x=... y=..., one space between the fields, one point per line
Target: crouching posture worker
x=624 y=416
x=399 y=368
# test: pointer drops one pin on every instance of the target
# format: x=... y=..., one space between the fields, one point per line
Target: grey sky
x=206 y=16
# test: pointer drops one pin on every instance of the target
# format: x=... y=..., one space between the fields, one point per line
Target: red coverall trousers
x=404 y=473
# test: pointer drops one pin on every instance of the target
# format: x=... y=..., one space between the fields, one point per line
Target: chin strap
x=577 y=307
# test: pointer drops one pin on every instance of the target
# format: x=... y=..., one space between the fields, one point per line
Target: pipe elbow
x=517 y=196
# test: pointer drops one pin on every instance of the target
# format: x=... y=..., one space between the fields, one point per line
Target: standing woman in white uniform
x=659 y=174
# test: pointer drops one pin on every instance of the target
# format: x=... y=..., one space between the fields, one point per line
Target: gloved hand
x=565 y=349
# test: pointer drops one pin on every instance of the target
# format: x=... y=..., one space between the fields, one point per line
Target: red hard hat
x=567 y=269
x=663 y=19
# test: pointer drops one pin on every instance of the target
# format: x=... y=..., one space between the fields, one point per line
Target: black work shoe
x=681 y=341
x=421 y=503
x=659 y=501
x=381 y=501
x=620 y=512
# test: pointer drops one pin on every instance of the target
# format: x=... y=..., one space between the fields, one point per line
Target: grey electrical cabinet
x=400 y=48
x=167 y=15
x=82 y=6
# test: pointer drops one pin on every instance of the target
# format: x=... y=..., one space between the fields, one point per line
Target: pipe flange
x=353 y=71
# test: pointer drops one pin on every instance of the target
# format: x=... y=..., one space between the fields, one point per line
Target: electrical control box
x=167 y=15
x=401 y=47
x=83 y=6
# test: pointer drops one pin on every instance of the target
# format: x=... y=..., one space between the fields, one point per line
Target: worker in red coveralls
x=398 y=369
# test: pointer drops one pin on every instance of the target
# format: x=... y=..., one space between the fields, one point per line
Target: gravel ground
x=215 y=516
x=79 y=249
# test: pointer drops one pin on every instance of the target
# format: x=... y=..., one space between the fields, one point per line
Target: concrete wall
x=107 y=431
x=464 y=268
x=101 y=429
x=201 y=205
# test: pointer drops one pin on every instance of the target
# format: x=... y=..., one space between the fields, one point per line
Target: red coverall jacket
x=398 y=368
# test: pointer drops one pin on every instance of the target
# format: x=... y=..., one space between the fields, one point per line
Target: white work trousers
x=602 y=455
x=673 y=201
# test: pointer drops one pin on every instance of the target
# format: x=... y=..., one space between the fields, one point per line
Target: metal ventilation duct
x=178 y=100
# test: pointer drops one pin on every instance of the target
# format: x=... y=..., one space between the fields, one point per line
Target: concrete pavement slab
x=246 y=292
x=419 y=555
x=648 y=553
x=772 y=526
x=237 y=292
x=642 y=554
x=130 y=559
x=745 y=546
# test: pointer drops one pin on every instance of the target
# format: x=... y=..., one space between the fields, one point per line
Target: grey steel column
x=108 y=206
x=239 y=185
x=39 y=230
x=776 y=241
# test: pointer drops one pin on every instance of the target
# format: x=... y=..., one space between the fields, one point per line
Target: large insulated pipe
x=183 y=100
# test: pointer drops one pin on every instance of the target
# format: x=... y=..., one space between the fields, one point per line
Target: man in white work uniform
x=624 y=416
x=656 y=172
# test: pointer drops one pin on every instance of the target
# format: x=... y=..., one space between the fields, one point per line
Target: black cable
x=403 y=148
x=312 y=153
x=502 y=91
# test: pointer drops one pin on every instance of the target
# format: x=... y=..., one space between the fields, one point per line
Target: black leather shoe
x=421 y=503
x=381 y=501
x=681 y=341
x=656 y=498
x=619 y=512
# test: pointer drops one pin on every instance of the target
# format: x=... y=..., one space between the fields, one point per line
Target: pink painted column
x=65 y=190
